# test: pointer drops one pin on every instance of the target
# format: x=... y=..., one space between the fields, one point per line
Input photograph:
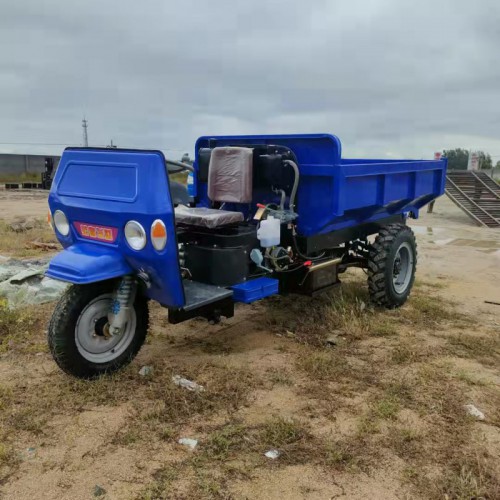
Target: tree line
x=458 y=159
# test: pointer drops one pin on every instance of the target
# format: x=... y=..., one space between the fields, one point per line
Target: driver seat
x=230 y=174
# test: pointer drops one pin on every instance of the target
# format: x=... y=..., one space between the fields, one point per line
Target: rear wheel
x=391 y=266
x=79 y=337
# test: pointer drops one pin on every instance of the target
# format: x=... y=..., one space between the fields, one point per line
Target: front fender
x=83 y=263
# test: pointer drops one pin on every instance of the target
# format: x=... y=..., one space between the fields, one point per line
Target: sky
x=390 y=78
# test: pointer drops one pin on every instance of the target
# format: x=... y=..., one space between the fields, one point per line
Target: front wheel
x=391 y=266
x=79 y=337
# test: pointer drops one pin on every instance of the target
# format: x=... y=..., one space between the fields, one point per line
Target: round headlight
x=61 y=222
x=135 y=235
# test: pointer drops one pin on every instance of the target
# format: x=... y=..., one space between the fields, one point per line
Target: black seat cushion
x=206 y=217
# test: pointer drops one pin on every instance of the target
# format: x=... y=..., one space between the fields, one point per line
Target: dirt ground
x=379 y=414
x=23 y=203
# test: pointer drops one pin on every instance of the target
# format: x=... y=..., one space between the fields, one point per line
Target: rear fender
x=86 y=263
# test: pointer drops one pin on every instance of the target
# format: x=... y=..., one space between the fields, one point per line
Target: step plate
x=202 y=300
x=200 y=294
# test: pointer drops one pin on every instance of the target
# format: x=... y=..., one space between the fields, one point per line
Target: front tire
x=391 y=266
x=78 y=339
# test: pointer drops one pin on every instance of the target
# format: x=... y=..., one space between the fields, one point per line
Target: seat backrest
x=230 y=175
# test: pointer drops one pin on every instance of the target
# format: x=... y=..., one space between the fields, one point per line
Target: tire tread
x=60 y=333
x=377 y=264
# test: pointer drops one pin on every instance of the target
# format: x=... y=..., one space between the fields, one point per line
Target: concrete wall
x=12 y=165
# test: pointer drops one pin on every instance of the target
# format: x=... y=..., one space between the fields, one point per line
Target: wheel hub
x=397 y=267
x=101 y=328
x=403 y=268
x=93 y=338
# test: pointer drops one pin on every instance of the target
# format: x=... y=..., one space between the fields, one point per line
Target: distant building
x=16 y=165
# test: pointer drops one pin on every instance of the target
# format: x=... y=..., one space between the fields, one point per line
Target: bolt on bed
x=261 y=215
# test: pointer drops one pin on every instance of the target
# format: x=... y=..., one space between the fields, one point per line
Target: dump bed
x=336 y=193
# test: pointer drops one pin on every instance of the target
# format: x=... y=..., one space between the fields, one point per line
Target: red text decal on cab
x=99 y=233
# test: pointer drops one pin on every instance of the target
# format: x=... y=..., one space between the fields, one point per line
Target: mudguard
x=86 y=263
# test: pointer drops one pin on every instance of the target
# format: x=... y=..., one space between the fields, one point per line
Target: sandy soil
x=77 y=447
x=464 y=255
x=23 y=203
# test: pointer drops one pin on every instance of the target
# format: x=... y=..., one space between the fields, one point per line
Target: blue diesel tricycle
x=260 y=215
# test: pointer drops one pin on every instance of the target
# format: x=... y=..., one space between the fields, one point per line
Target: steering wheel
x=180 y=166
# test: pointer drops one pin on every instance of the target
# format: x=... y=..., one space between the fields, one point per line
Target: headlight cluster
x=137 y=239
x=135 y=233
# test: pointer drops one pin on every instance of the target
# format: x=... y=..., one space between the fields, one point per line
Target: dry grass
x=333 y=376
x=280 y=432
x=410 y=349
x=468 y=475
x=18 y=244
x=23 y=330
x=323 y=365
x=208 y=345
x=298 y=444
x=280 y=376
x=470 y=379
x=225 y=442
x=410 y=378
x=161 y=484
x=423 y=284
x=8 y=458
x=347 y=312
x=165 y=407
x=485 y=349
x=31 y=406
x=406 y=442
x=226 y=388
x=386 y=408
x=388 y=369
x=231 y=451
x=342 y=311
x=24 y=177
x=439 y=453
x=235 y=450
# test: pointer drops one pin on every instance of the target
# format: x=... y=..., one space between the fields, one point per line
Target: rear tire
x=391 y=266
x=76 y=336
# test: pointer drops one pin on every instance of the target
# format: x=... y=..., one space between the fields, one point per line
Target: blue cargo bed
x=337 y=193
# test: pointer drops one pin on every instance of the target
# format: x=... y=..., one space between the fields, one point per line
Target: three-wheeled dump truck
x=260 y=215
